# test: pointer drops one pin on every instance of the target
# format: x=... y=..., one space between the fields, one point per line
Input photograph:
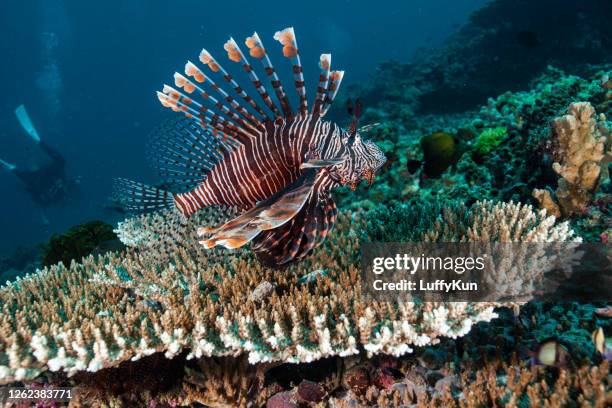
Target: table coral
x=178 y=297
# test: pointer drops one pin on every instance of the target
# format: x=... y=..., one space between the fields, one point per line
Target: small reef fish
x=276 y=163
x=602 y=345
x=551 y=353
x=605 y=81
x=604 y=312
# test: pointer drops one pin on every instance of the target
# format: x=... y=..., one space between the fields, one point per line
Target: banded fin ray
x=193 y=71
x=183 y=153
x=235 y=54
x=207 y=58
x=299 y=237
x=207 y=118
x=257 y=50
x=226 y=112
x=325 y=66
x=137 y=197
x=335 y=80
x=267 y=215
x=290 y=50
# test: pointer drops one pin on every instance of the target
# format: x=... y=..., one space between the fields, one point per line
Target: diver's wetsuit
x=47 y=184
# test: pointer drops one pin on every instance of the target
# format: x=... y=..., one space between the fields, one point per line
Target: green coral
x=489 y=139
x=403 y=222
x=77 y=242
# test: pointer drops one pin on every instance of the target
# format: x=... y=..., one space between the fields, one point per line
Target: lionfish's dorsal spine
x=179 y=102
x=235 y=54
x=324 y=65
x=332 y=91
x=212 y=63
x=290 y=50
x=190 y=87
x=225 y=116
x=204 y=114
x=257 y=50
x=194 y=71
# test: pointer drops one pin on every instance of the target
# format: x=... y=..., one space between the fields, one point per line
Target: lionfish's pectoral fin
x=135 y=197
x=297 y=238
x=316 y=163
x=269 y=214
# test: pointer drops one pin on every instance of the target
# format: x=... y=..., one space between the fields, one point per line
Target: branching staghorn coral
x=225 y=382
x=583 y=145
x=179 y=297
x=495 y=384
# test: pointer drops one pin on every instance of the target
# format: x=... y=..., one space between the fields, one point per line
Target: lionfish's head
x=362 y=159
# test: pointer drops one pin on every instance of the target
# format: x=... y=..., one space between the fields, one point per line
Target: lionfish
x=276 y=164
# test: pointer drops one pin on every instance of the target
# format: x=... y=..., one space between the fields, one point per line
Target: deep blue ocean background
x=88 y=71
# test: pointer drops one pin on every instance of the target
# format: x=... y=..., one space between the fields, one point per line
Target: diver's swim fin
x=26 y=123
x=8 y=166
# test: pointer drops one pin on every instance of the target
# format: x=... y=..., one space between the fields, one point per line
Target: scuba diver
x=47 y=184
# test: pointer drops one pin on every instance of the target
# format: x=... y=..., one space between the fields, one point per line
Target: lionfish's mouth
x=353 y=183
x=368 y=176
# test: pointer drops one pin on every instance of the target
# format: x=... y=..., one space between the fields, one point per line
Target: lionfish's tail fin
x=267 y=215
x=257 y=50
x=184 y=153
x=139 y=197
x=290 y=50
x=332 y=90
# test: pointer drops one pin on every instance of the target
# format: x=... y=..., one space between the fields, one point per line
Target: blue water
x=87 y=73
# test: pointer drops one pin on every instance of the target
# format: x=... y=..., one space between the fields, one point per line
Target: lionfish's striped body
x=277 y=165
x=253 y=172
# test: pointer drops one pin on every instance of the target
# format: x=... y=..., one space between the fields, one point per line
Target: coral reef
x=520 y=163
x=164 y=322
x=490 y=365
x=488 y=56
x=582 y=146
x=160 y=298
